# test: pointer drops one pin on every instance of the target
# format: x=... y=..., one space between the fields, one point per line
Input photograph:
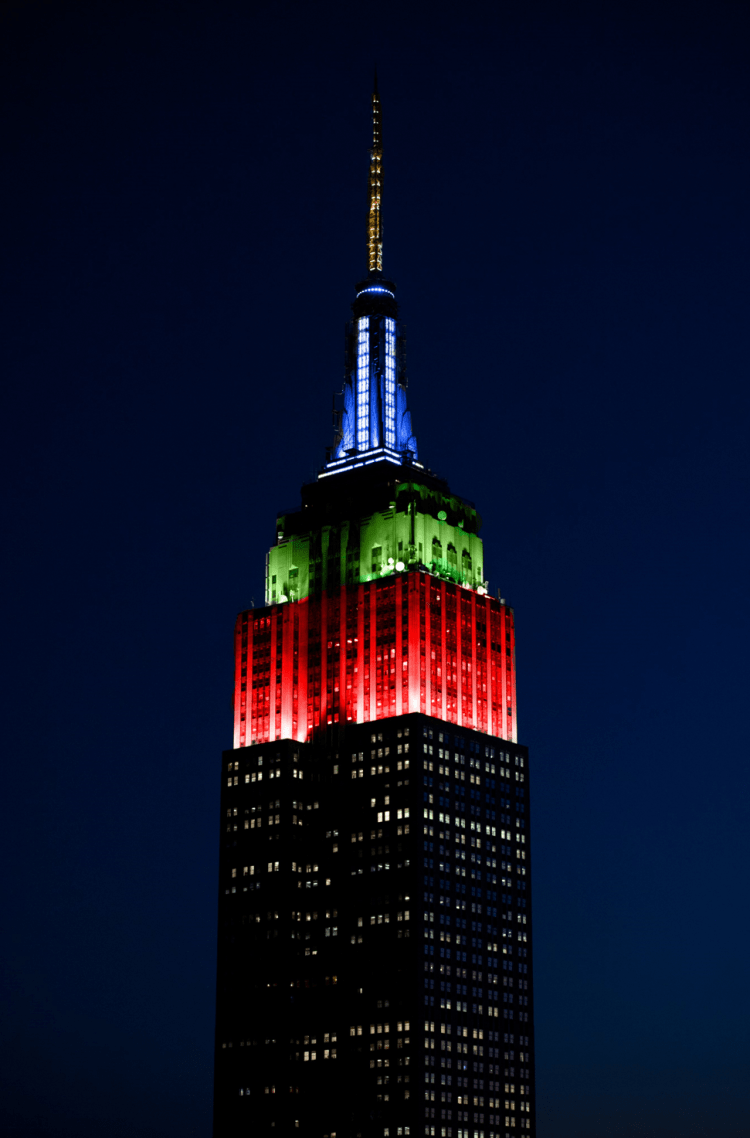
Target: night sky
x=567 y=190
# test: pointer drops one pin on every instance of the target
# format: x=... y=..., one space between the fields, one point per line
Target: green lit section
x=421 y=527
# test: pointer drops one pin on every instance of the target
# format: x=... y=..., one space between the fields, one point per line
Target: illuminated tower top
x=376 y=598
x=372 y=418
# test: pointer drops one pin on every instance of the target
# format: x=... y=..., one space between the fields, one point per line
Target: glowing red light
x=411 y=642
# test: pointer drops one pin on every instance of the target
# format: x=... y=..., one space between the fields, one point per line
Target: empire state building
x=375 y=942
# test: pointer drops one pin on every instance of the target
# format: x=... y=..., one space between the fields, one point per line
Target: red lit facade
x=409 y=642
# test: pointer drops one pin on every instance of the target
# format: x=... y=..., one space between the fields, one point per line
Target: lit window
x=390 y=383
x=363 y=384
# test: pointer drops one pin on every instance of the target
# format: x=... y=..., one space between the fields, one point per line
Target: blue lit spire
x=373 y=416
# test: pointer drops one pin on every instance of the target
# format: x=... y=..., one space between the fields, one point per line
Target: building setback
x=375 y=947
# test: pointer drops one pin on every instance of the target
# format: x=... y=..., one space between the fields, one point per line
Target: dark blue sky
x=566 y=215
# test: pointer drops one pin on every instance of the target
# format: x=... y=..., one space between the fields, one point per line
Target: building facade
x=375 y=941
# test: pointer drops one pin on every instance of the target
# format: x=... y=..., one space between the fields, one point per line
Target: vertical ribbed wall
x=405 y=643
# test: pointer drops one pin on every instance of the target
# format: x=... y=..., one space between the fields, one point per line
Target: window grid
x=431 y=656
x=363 y=383
x=390 y=383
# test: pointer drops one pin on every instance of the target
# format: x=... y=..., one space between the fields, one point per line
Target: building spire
x=371 y=415
x=375 y=189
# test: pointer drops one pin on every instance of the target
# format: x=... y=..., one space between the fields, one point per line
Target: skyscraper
x=375 y=948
